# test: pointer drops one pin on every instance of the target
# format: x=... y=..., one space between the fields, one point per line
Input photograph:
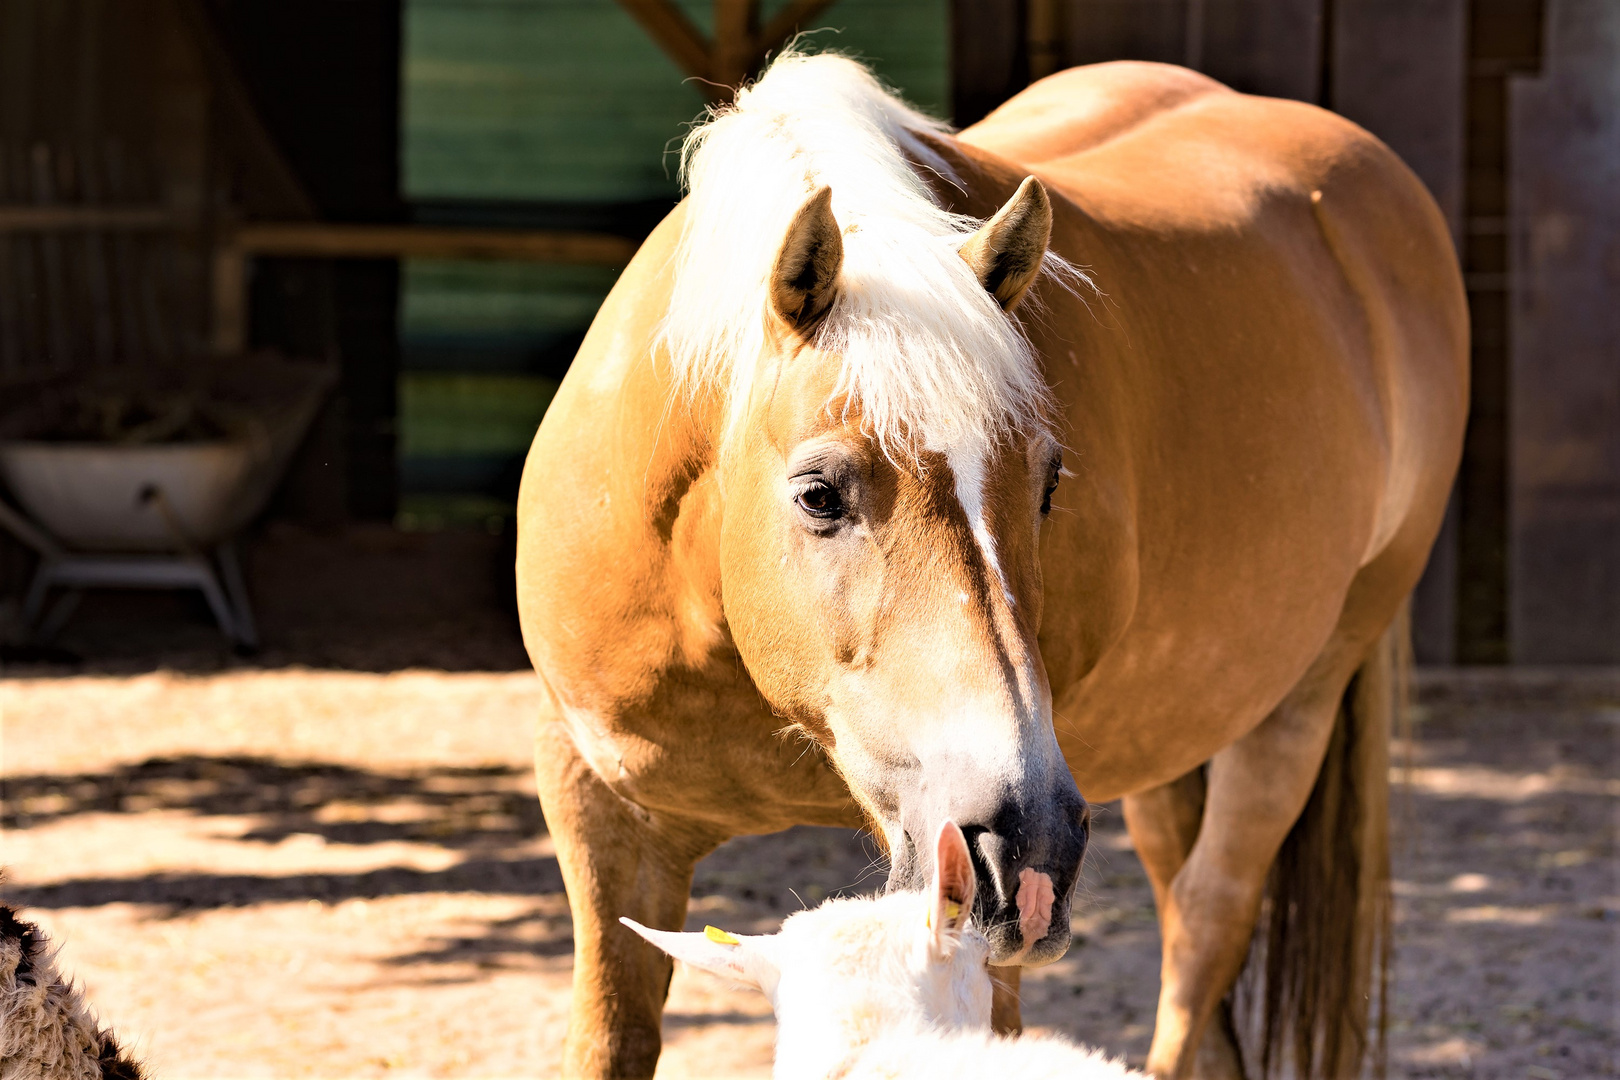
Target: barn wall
x=1398 y=68
x=100 y=101
x=1564 y=540
x=325 y=78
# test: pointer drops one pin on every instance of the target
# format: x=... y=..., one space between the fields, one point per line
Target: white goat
x=46 y=1030
x=886 y=987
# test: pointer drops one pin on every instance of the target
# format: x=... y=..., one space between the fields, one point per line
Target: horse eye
x=820 y=501
x=1051 y=487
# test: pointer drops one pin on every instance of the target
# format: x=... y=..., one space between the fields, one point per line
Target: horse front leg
x=616 y=860
x=1209 y=872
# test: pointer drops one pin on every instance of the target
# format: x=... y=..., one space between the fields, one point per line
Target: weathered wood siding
x=1564 y=379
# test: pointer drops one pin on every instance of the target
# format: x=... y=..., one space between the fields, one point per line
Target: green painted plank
x=457 y=415
x=568 y=100
x=500 y=300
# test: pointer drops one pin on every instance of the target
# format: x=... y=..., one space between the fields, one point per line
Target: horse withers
x=862 y=504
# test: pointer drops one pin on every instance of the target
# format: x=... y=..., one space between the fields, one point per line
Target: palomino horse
x=793 y=545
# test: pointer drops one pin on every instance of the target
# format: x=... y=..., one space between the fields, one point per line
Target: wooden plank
x=1399 y=71
x=72 y=218
x=989 y=56
x=667 y=25
x=1166 y=31
x=1270 y=47
x=1563 y=423
x=319 y=240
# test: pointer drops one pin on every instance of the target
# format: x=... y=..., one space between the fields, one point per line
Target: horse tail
x=1322 y=946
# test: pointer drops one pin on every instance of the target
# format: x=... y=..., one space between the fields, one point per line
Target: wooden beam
x=230 y=331
x=735 y=41
x=17 y=218
x=673 y=32
x=318 y=240
x=785 y=23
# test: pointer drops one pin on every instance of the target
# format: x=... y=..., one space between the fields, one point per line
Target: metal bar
x=230 y=573
x=131 y=571
x=29 y=533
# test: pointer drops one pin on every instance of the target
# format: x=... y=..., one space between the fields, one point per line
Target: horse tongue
x=1035 y=899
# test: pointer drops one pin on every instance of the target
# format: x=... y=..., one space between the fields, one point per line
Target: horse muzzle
x=1026 y=860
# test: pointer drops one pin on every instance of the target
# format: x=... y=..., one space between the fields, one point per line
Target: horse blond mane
x=929 y=358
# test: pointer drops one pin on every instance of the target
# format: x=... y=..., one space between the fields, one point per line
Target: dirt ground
x=329 y=862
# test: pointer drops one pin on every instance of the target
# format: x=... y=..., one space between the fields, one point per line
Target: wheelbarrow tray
x=98 y=496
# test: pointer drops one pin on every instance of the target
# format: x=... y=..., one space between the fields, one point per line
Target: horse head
x=886 y=468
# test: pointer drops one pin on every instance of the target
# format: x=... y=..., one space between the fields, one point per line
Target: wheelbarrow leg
x=38 y=589
x=230 y=572
x=60 y=613
x=208 y=583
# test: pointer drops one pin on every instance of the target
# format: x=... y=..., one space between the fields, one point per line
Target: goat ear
x=804 y=280
x=1006 y=253
x=953 y=888
x=730 y=956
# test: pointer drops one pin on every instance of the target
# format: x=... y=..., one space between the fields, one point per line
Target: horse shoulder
x=609 y=586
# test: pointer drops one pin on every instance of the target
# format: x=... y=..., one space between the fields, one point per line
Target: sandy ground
x=304 y=873
x=329 y=862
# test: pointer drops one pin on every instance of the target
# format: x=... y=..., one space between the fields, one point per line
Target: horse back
x=1266 y=405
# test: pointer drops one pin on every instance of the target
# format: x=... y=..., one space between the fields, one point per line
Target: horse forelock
x=926 y=354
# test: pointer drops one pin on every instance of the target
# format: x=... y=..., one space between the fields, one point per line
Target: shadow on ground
x=366 y=597
x=453 y=807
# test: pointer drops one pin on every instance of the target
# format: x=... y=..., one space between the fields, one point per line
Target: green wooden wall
x=560 y=100
x=562 y=103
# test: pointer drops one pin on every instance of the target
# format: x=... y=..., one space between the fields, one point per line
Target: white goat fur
x=886 y=987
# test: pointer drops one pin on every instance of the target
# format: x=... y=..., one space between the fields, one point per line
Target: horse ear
x=804 y=279
x=952 y=894
x=730 y=956
x=1006 y=253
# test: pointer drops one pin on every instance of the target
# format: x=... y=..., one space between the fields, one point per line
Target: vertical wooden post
x=228 y=332
x=1503 y=39
x=1045 y=39
x=1563 y=424
x=736 y=26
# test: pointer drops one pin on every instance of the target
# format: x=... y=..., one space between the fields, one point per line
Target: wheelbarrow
x=118 y=513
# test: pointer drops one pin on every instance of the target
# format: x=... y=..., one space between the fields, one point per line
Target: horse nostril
x=983 y=867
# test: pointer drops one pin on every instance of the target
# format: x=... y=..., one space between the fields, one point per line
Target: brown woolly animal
x=47 y=1032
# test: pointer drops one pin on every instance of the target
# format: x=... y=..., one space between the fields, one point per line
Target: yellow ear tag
x=721 y=937
x=952 y=910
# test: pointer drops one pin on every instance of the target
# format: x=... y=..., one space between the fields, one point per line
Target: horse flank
x=929 y=359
